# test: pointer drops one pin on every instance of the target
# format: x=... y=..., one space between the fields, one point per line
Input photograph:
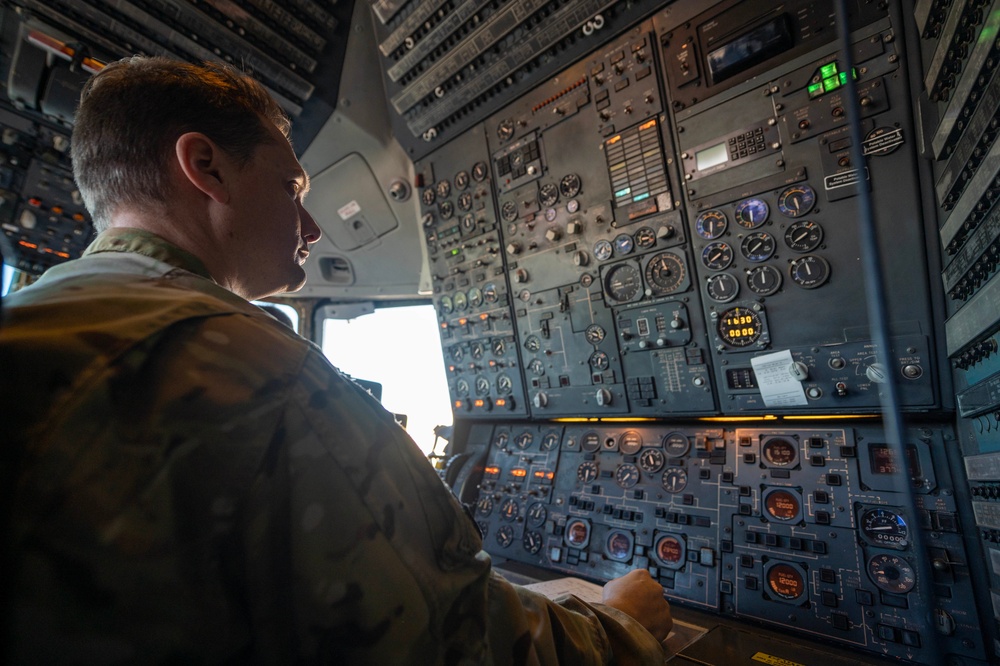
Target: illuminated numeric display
x=740 y=327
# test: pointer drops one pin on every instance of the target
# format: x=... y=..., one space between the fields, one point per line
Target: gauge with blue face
x=603 y=250
x=717 y=255
x=624 y=244
x=797 y=200
x=711 y=224
x=751 y=213
x=758 y=246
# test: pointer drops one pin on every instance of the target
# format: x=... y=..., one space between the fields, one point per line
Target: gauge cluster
x=793 y=527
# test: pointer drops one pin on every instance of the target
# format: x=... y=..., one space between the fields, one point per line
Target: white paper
x=775 y=381
x=349 y=210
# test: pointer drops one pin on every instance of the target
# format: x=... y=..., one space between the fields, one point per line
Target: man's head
x=132 y=113
x=200 y=156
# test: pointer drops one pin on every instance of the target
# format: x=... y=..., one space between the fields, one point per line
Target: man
x=198 y=484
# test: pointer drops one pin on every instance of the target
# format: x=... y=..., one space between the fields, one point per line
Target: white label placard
x=777 y=385
x=349 y=210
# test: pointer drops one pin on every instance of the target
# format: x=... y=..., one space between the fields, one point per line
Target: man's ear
x=203 y=164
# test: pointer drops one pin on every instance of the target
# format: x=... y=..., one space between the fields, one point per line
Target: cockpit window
x=398 y=347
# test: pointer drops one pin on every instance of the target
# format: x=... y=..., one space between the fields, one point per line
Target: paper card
x=777 y=385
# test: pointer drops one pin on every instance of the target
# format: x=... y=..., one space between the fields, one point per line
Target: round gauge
x=468 y=222
x=500 y=441
x=464 y=201
x=475 y=297
x=572 y=206
x=804 y=236
x=885 y=528
x=740 y=327
x=428 y=221
x=670 y=551
x=652 y=460
x=675 y=480
x=664 y=273
x=446 y=210
x=509 y=510
x=461 y=180
x=630 y=442
x=548 y=195
x=891 y=573
x=780 y=452
x=786 y=581
x=504 y=385
x=461 y=300
x=537 y=513
x=532 y=343
x=797 y=200
x=550 y=441
x=505 y=536
x=550 y=214
x=479 y=171
x=536 y=367
x=498 y=347
x=443 y=189
x=505 y=130
x=508 y=211
x=484 y=528
x=645 y=238
x=577 y=533
x=603 y=250
x=711 y=224
x=782 y=505
x=570 y=185
x=599 y=361
x=623 y=283
x=482 y=386
x=619 y=546
x=758 y=246
x=751 y=213
x=594 y=334
x=717 y=255
x=676 y=444
x=627 y=475
x=590 y=442
x=523 y=440
x=462 y=387
x=532 y=542
x=476 y=350
x=490 y=292
x=809 y=271
x=587 y=471
x=484 y=506
x=723 y=287
x=428 y=196
x=624 y=244
x=764 y=280
x=457 y=353
x=447 y=305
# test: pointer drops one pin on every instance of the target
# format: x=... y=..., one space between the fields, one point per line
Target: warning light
x=479 y=403
x=463 y=321
x=484 y=316
x=826 y=71
x=518 y=472
x=651 y=123
x=542 y=474
x=501 y=402
x=491 y=471
x=444 y=325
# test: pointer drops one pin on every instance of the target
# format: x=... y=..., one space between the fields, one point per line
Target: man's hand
x=641 y=597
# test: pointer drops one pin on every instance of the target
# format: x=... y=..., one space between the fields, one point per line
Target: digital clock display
x=740 y=327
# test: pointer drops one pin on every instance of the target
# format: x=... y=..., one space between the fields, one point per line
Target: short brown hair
x=133 y=111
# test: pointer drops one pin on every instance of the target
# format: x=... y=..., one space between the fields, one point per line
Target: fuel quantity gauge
x=885 y=528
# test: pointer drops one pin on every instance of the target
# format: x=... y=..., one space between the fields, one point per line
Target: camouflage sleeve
x=385 y=567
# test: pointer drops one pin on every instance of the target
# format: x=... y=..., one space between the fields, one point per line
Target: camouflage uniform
x=198 y=484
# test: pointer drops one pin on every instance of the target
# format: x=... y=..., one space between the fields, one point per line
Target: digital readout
x=884 y=462
x=740 y=327
x=710 y=157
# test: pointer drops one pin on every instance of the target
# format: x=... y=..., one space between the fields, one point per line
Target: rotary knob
x=553 y=234
x=541 y=400
x=876 y=372
x=603 y=397
x=799 y=371
x=581 y=258
x=513 y=248
x=520 y=276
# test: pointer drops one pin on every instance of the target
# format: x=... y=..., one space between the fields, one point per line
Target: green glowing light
x=826 y=71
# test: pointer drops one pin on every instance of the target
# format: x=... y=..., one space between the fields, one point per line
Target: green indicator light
x=454 y=252
x=826 y=71
x=815 y=89
x=831 y=84
x=843 y=78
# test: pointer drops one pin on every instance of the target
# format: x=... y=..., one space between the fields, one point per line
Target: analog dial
x=461 y=180
x=468 y=221
x=505 y=130
x=664 y=273
x=630 y=442
x=764 y=280
x=532 y=343
x=428 y=196
x=717 y=255
x=505 y=536
x=532 y=542
x=599 y=361
x=786 y=581
x=587 y=471
x=577 y=533
x=504 y=385
x=797 y=200
x=479 y=172
x=804 y=236
x=464 y=201
x=758 y=246
x=476 y=350
x=484 y=506
x=675 y=480
x=462 y=387
x=548 y=195
x=524 y=440
x=570 y=185
x=782 y=505
x=751 y=213
x=627 y=475
x=723 y=287
x=443 y=189
x=508 y=211
x=498 y=347
x=447 y=305
x=537 y=513
x=475 y=297
x=670 y=551
x=594 y=334
x=645 y=238
x=490 y=294
x=536 y=367
x=482 y=386
x=810 y=271
x=619 y=545
x=550 y=441
x=780 y=452
x=892 y=573
x=461 y=300
x=509 y=510
x=676 y=444
x=624 y=244
x=590 y=442
x=446 y=210
x=652 y=460
x=603 y=250
x=623 y=282
x=711 y=224
x=885 y=528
